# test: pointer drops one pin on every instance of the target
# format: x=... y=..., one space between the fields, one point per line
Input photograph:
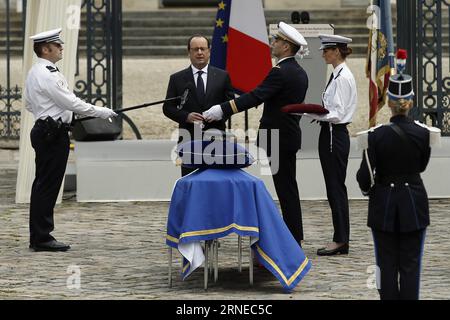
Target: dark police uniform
x=48 y=97
x=389 y=174
x=285 y=84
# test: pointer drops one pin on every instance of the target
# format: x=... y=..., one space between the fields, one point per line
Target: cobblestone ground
x=120 y=253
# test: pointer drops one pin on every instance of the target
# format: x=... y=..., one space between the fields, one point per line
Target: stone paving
x=119 y=252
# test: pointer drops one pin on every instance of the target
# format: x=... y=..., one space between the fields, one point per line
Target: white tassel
x=331 y=137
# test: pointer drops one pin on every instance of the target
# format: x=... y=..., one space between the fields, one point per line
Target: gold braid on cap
x=283 y=37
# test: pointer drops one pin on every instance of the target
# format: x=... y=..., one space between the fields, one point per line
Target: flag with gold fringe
x=214 y=203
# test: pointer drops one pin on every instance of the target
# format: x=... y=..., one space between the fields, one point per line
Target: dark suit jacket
x=218 y=89
x=285 y=84
x=400 y=205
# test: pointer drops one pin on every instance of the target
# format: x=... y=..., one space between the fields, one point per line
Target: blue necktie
x=200 y=88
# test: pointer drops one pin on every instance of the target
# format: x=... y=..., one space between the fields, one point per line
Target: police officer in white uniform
x=339 y=98
x=48 y=97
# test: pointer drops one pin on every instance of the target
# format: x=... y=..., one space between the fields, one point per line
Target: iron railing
x=424 y=30
x=10 y=94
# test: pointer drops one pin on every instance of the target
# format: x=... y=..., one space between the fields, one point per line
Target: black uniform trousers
x=51 y=160
x=399 y=254
x=284 y=180
x=334 y=167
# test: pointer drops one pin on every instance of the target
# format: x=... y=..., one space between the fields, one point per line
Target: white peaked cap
x=333 y=41
x=48 y=36
x=289 y=33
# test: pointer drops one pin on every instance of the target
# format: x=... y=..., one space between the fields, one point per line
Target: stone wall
x=139 y=5
x=136 y=5
x=13 y=5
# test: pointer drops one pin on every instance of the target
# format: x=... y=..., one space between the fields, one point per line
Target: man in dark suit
x=285 y=84
x=207 y=86
x=398 y=203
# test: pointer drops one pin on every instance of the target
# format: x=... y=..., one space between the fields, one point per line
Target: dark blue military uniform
x=285 y=84
x=398 y=203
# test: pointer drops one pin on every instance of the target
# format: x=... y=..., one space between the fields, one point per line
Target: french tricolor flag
x=240 y=43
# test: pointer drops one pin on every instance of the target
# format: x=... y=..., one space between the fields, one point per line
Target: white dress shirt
x=47 y=94
x=204 y=74
x=339 y=98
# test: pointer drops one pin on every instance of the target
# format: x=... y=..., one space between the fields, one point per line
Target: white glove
x=105 y=113
x=214 y=113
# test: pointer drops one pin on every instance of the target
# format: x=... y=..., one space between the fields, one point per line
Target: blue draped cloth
x=212 y=203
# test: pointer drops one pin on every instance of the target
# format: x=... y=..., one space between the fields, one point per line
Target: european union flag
x=240 y=43
x=220 y=36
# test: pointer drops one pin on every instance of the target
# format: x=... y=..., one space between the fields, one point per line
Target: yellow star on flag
x=222 y=5
x=225 y=38
x=219 y=23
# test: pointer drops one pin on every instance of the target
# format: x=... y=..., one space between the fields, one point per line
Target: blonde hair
x=400 y=106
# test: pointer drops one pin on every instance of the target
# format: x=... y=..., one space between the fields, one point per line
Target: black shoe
x=51 y=245
x=340 y=250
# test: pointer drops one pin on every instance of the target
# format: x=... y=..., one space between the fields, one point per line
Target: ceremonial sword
x=182 y=98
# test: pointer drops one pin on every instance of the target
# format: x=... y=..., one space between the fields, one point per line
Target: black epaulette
x=52 y=69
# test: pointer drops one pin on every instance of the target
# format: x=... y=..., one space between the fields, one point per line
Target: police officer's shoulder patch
x=51 y=69
x=362 y=137
x=60 y=84
x=435 y=134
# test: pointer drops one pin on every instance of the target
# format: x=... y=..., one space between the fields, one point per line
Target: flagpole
x=388 y=23
x=373 y=89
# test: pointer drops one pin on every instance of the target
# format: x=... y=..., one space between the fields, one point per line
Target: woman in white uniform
x=339 y=98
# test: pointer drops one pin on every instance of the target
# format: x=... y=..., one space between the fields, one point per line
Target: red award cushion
x=304 y=108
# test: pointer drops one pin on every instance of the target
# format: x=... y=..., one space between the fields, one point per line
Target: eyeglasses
x=202 y=49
